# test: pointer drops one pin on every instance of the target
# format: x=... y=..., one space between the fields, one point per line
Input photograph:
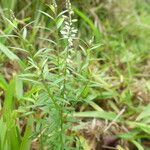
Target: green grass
x=73 y=74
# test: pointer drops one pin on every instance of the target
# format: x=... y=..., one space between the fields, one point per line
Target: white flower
x=68 y=31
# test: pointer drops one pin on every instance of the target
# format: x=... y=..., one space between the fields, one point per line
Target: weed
x=74 y=75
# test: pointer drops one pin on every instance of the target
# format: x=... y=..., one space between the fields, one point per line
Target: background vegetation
x=74 y=75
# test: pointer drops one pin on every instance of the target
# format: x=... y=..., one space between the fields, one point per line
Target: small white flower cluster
x=69 y=31
x=54 y=4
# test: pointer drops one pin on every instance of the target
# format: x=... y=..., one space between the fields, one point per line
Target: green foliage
x=62 y=65
x=10 y=136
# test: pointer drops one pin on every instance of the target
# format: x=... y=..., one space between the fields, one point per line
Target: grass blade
x=96 y=114
x=8 y=53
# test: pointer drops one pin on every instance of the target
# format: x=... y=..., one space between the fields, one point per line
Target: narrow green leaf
x=9 y=4
x=144 y=127
x=138 y=145
x=8 y=102
x=88 y=21
x=26 y=141
x=19 y=87
x=3 y=83
x=3 y=130
x=96 y=114
x=8 y=53
x=59 y=22
x=46 y=14
x=10 y=117
x=145 y=113
x=107 y=94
